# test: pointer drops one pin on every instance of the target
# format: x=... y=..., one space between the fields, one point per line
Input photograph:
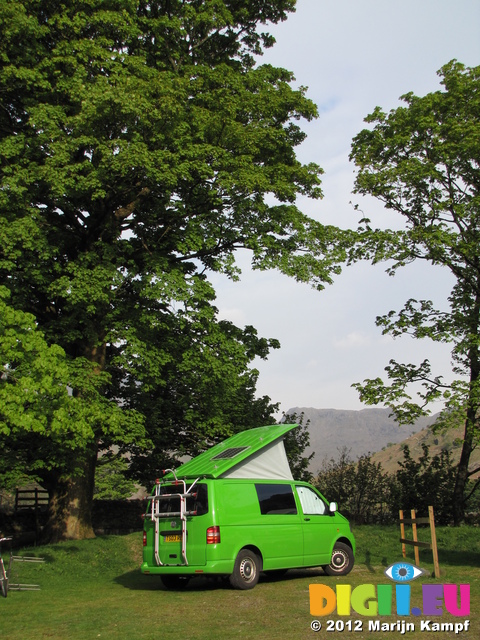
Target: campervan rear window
x=276 y=499
x=198 y=503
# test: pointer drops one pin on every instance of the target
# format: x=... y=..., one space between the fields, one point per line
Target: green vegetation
x=366 y=493
x=111 y=479
x=141 y=146
x=94 y=589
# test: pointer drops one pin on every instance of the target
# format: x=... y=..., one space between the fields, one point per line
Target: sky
x=353 y=55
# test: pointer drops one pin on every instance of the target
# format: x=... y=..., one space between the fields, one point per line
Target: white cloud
x=353 y=340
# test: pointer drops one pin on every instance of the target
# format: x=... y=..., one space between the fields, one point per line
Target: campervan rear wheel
x=341 y=562
x=246 y=570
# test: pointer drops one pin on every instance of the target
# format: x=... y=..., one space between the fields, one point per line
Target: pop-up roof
x=255 y=453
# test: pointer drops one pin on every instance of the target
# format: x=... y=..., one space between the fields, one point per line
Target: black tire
x=342 y=560
x=174 y=582
x=246 y=570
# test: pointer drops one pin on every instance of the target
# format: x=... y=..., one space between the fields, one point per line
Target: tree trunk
x=71 y=494
x=70 y=505
x=468 y=441
x=462 y=476
x=471 y=419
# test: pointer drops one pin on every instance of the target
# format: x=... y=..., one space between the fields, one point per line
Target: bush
x=359 y=487
x=367 y=494
x=419 y=484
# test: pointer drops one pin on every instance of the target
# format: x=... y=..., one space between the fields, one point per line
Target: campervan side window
x=276 y=499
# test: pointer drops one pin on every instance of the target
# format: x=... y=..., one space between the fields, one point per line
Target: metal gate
x=6 y=571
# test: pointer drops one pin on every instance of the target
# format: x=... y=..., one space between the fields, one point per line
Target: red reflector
x=213 y=535
x=144 y=538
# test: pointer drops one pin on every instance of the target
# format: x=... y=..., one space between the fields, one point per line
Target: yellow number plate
x=173 y=538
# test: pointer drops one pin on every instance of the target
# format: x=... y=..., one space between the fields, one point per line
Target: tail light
x=213 y=535
x=144 y=538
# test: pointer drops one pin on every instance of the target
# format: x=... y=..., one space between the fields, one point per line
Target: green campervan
x=235 y=510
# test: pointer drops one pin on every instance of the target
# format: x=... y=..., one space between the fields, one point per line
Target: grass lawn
x=94 y=589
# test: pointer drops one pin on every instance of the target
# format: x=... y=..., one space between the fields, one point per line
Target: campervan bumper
x=217 y=567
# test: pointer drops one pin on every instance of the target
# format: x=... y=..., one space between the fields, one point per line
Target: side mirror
x=332 y=507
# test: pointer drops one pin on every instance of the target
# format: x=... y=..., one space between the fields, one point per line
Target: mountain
x=450 y=440
x=364 y=431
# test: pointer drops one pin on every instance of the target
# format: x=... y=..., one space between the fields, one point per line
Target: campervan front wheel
x=341 y=562
x=246 y=570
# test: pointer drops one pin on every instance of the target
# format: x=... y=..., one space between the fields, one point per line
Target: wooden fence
x=415 y=542
x=31 y=499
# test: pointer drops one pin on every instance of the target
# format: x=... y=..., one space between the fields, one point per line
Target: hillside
x=449 y=440
x=365 y=431
x=374 y=431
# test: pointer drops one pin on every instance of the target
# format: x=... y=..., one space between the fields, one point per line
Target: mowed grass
x=94 y=589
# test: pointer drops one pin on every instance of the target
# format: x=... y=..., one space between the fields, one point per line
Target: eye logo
x=403 y=572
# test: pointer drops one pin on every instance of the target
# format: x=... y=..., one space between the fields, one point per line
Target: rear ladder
x=155 y=514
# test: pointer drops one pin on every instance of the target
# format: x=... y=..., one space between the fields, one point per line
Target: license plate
x=173 y=538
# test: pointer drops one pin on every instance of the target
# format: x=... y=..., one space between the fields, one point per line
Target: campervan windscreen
x=198 y=501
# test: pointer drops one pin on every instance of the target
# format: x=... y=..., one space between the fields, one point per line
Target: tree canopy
x=141 y=145
x=422 y=161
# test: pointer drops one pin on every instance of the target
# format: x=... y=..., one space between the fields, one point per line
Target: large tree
x=53 y=415
x=422 y=161
x=140 y=147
